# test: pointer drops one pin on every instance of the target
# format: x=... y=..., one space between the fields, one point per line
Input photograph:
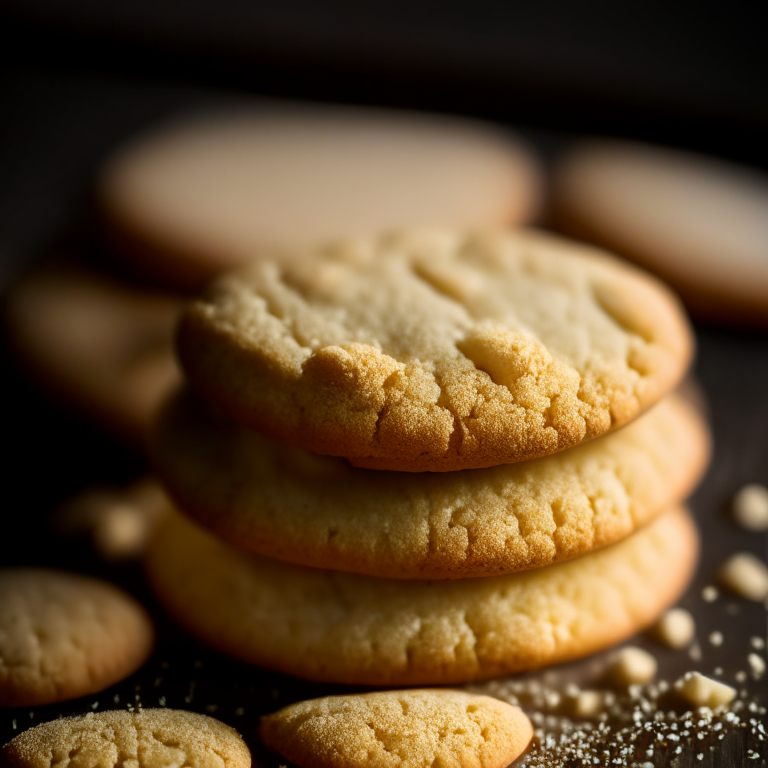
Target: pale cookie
x=343 y=628
x=63 y=636
x=437 y=351
x=401 y=729
x=104 y=348
x=698 y=222
x=207 y=193
x=149 y=738
x=319 y=511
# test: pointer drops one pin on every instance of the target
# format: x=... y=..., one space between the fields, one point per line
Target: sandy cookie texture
x=63 y=636
x=345 y=628
x=151 y=738
x=436 y=351
x=289 y=504
x=407 y=729
x=104 y=348
x=209 y=192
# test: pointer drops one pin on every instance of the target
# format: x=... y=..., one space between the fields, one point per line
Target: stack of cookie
x=375 y=439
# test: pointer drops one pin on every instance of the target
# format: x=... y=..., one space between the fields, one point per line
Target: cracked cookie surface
x=345 y=628
x=407 y=729
x=63 y=636
x=150 y=738
x=435 y=351
x=292 y=505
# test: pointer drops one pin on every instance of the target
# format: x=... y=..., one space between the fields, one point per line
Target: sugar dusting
x=636 y=727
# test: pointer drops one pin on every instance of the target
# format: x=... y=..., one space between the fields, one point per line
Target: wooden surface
x=61 y=129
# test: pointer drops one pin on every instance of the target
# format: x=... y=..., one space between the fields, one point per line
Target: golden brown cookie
x=302 y=508
x=344 y=628
x=399 y=729
x=149 y=738
x=63 y=636
x=698 y=222
x=208 y=192
x=102 y=347
x=437 y=351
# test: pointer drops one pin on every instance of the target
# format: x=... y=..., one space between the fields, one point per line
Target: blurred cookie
x=149 y=738
x=104 y=348
x=63 y=636
x=344 y=628
x=208 y=192
x=436 y=351
x=698 y=222
x=296 y=506
x=403 y=729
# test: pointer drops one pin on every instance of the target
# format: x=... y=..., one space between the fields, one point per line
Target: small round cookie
x=104 y=348
x=206 y=193
x=344 y=628
x=63 y=636
x=698 y=222
x=399 y=729
x=292 y=505
x=436 y=351
x=149 y=738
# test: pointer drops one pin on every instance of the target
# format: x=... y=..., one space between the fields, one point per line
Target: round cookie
x=698 y=222
x=105 y=348
x=149 y=738
x=399 y=729
x=63 y=636
x=292 y=505
x=344 y=628
x=436 y=351
x=207 y=193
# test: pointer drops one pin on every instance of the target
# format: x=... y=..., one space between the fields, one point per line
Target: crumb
x=676 y=628
x=746 y=575
x=710 y=594
x=633 y=666
x=757 y=664
x=703 y=691
x=750 y=507
x=716 y=638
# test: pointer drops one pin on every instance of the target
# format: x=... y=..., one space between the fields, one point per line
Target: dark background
x=79 y=76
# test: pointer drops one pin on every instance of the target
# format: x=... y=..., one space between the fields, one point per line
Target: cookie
x=208 y=192
x=149 y=738
x=698 y=222
x=104 y=348
x=344 y=628
x=299 y=507
x=63 y=636
x=403 y=729
x=435 y=351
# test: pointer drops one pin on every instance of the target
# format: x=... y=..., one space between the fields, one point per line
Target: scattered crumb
x=633 y=666
x=710 y=594
x=695 y=652
x=588 y=704
x=757 y=664
x=676 y=628
x=703 y=691
x=716 y=638
x=746 y=575
x=757 y=643
x=750 y=507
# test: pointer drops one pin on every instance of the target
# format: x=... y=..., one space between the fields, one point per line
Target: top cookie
x=206 y=193
x=436 y=351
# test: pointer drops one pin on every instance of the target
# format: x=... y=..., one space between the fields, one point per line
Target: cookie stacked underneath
x=452 y=371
